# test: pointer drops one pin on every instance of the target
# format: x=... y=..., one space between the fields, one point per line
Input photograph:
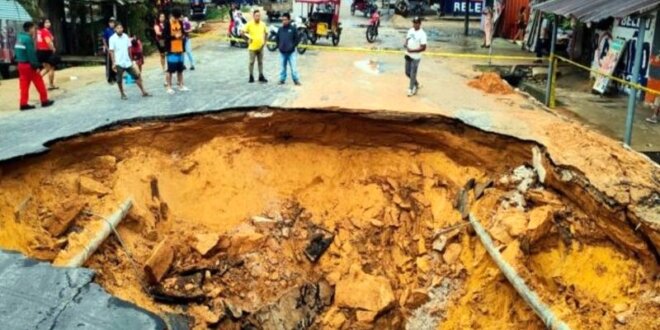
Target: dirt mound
x=325 y=220
x=491 y=83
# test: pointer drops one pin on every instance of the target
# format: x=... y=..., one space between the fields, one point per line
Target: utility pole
x=632 y=98
x=467 y=18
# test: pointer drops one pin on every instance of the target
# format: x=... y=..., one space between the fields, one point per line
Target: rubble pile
x=491 y=83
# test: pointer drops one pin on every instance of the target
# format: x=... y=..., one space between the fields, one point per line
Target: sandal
x=146 y=95
x=124 y=97
x=52 y=88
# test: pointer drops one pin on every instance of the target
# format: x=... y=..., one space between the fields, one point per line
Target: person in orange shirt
x=174 y=43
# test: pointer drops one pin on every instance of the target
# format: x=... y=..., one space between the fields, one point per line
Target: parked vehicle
x=372 y=29
x=234 y=31
x=275 y=8
x=11 y=22
x=409 y=8
x=322 y=20
x=197 y=10
x=367 y=7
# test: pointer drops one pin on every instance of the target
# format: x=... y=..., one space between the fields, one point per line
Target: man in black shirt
x=287 y=41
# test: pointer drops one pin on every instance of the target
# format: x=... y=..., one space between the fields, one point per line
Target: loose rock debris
x=284 y=222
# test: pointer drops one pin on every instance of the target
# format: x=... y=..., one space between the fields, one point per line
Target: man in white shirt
x=415 y=45
x=120 y=58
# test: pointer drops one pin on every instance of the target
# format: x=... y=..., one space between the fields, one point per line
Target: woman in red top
x=46 y=52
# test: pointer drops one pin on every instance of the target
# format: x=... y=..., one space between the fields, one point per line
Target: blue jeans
x=188 y=50
x=288 y=60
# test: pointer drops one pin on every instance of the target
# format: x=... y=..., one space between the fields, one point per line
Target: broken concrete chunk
x=376 y=223
x=318 y=244
x=334 y=319
x=296 y=309
x=365 y=316
x=204 y=313
x=427 y=170
x=205 y=242
x=452 y=252
x=188 y=166
x=243 y=239
x=363 y=291
x=480 y=188
x=159 y=262
x=88 y=186
x=259 y=220
x=233 y=310
x=104 y=163
x=64 y=218
x=439 y=243
x=423 y=264
x=180 y=289
x=416 y=299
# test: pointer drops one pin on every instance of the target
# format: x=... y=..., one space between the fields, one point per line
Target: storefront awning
x=597 y=10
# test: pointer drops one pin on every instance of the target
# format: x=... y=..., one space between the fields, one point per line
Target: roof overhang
x=597 y=10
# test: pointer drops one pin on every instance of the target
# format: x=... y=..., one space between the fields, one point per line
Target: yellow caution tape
x=393 y=52
x=608 y=76
x=454 y=55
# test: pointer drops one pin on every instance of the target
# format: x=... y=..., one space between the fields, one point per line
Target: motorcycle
x=365 y=6
x=372 y=29
x=234 y=32
x=301 y=29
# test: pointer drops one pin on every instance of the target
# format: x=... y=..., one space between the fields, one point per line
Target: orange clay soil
x=248 y=202
x=491 y=83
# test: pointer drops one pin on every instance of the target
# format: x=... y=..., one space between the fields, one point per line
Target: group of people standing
x=172 y=39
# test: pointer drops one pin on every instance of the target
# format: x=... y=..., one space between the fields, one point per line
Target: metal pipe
x=551 y=66
x=532 y=299
x=83 y=253
x=632 y=98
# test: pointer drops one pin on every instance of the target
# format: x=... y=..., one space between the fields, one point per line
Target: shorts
x=175 y=62
x=522 y=26
x=46 y=56
x=130 y=70
x=160 y=44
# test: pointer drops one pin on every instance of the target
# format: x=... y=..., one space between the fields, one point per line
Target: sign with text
x=633 y=23
x=458 y=7
x=608 y=65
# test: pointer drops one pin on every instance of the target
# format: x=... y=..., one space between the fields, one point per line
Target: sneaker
x=281 y=82
x=170 y=91
x=410 y=92
x=47 y=103
x=184 y=89
x=653 y=120
x=297 y=83
x=414 y=91
x=27 y=107
x=262 y=79
x=251 y=79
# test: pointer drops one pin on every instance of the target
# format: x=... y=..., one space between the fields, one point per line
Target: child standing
x=136 y=52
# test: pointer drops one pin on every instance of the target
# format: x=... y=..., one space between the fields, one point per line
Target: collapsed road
x=286 y=219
